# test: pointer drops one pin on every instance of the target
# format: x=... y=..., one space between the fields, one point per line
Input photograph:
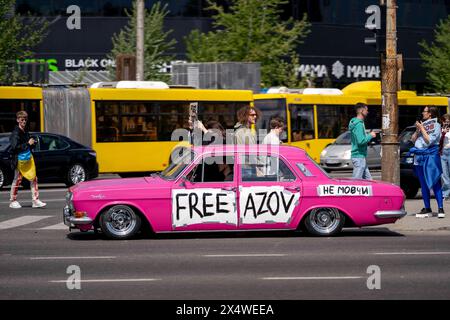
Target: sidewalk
x=411 y=223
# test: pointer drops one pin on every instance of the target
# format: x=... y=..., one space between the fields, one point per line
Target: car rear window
x=4 y=143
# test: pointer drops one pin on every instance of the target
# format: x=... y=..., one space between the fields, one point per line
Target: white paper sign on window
x=267 y=205
x=326 y=190
x=196 y=206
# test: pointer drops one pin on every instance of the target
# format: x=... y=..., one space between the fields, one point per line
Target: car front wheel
x=76 y=174
x=2 y=178
x=120 y=222
x=324 y=222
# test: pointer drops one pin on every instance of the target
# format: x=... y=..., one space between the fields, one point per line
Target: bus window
x=223 y=112
x=138 y=121
x=156 y=121
x=302 y=122
x=9 y=108
x=333 y=120
x=270 y=108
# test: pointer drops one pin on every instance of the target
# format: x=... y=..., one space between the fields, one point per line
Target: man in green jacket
x=359 y=142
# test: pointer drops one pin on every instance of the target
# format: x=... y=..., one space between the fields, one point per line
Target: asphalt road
x=36 y=250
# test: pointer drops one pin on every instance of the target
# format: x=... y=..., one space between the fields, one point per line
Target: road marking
x=43 y=200
x=17 y=222
x=59 y=226
x=413 y=253
x=313 y=278
x=242 y=255
x=64 y=258
x=107 y=280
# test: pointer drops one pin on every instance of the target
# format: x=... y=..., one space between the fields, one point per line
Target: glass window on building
x=333 y=120
x=302 y=122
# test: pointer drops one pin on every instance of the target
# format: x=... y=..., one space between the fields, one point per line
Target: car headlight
x=69 y=197
x=323 y=153
x=347 y=154
x=92 y=153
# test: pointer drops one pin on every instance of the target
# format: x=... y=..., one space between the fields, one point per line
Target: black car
x=57 y=159
x=408 y=180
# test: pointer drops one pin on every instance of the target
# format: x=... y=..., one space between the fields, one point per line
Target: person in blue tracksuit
x=427 y=162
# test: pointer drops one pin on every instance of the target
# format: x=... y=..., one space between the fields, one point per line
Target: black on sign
x=376 y=22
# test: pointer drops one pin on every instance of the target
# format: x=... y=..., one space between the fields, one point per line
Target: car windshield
x=4 y=142
x=344 y=138
x=405 y=136
x=178 y=163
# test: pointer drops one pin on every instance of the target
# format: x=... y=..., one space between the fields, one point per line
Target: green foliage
x=252 y=31
x=436 y=58
x=156 y=43
x=18 y=37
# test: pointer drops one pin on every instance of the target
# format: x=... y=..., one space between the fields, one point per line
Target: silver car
x=337 y=156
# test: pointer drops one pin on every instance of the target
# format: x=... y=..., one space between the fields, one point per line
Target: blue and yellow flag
x=26 y=166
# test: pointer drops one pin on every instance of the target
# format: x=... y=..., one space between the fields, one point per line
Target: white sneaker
x=441 y=215
x=38 y=204
x=422 y=215
x=15 y=205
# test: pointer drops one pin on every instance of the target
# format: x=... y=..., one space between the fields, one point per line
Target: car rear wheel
x=120 y=222
x=76 y=174
x=324 y=222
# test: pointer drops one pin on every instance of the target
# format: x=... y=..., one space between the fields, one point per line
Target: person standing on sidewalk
x=427 y=162
x=22 y=162
x=360 y=140
x=445 y=155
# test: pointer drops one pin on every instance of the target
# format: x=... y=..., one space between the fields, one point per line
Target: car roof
x=285 y=150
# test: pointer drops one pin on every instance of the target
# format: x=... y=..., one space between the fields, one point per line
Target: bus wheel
x=324 y=222
x=120 y=222
x=75 y=174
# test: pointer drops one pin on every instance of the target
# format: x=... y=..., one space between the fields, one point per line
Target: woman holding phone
x=427 y=162
x=445 y=155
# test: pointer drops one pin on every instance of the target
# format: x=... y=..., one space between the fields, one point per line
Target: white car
x=337 y=156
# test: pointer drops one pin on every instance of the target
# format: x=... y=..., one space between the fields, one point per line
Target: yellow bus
x=316 y=117
x=132 y=127
x=14 y=99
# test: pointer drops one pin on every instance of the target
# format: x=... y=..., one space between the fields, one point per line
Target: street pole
x=140 y=41
x=390 y=160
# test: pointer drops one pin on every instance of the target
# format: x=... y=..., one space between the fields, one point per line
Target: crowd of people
x=431 y=150
x=431 y=154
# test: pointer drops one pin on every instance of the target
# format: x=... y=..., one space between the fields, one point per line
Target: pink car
x=233 y=188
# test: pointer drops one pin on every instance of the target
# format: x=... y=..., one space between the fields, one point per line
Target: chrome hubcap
x=77 y=174
x=120 y=220
x=325 y=220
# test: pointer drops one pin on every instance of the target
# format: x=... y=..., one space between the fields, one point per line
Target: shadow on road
x=369 y=232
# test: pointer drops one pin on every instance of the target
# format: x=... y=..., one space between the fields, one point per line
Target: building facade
x=333 y=53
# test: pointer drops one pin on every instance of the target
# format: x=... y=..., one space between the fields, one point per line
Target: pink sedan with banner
x=233 y=188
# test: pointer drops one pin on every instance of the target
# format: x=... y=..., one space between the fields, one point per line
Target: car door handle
x=293 y=189
x=229 y=189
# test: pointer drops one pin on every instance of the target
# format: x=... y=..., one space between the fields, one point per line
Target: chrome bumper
x=391 y=214
x=71 y=221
